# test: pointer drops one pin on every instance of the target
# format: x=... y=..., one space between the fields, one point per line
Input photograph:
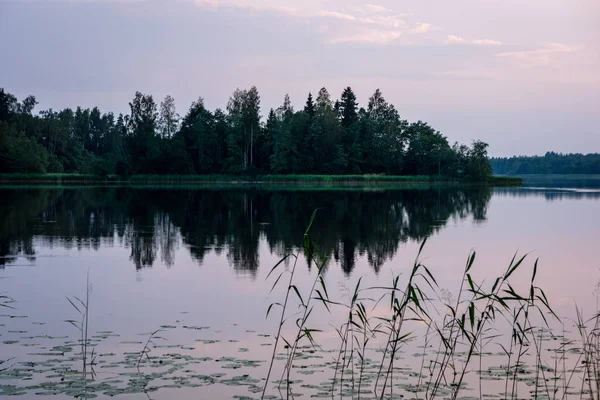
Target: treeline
x=324 y=137
x=549 y=163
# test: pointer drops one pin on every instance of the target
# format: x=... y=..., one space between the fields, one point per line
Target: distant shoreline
x=293 y=180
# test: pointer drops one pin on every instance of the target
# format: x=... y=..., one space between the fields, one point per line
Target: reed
x=313 y=255
x=460 y=327
x=88 y=357
x=589 y=332
x=147 y=347
x=5 y=302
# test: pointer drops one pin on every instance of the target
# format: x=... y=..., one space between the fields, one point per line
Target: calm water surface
x=194 y=262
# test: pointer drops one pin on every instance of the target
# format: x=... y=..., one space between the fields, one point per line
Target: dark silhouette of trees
x=550 y=163
x=324 y=137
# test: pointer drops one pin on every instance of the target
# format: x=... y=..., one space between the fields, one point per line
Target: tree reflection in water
x=154 y=223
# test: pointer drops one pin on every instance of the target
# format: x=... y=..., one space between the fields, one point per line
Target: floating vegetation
x=168 y=371
x=405 y=340
x=198 y=328
x=13 y=316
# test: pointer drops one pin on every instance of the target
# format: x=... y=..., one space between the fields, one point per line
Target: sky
x=523 y=76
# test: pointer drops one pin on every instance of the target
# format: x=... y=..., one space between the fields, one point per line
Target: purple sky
x=521 y=75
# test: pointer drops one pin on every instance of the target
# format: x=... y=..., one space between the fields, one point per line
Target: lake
x=193 y=263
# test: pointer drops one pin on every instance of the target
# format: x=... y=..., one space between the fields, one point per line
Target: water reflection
x=550 y=194
x=154 y=223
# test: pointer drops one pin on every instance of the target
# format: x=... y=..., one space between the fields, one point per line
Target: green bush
x=19 y=153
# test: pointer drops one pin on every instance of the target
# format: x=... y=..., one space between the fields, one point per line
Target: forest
x=550 y=163
x=324 y=137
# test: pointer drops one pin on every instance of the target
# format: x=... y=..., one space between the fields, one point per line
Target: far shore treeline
x=549 y=163
x=326 y=136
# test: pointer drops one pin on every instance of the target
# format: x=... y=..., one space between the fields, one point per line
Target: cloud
x=455 y=39
x=423 y=27
x=208 y=3
x=338 y=15
x=376 y=8
x=486 y=42
x=244 y=4
x=369 y=36
x=390 y=21
x=541 y=56
x=369 y=23
x=289 y=10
